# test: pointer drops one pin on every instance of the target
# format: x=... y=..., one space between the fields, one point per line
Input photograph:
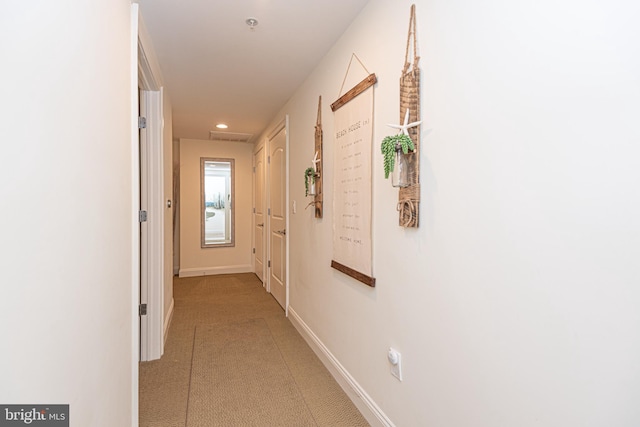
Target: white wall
x=66 y=217
x=198 y=261
x=516 y=301
x=167 y=149
x=176 y=205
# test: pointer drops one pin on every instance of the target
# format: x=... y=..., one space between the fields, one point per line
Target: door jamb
x=261 y=145
x=286 y=130
x=135 y=225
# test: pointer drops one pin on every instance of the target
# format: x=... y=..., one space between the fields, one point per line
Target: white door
x=151 y=228
x=259 y=204
x=278 y=217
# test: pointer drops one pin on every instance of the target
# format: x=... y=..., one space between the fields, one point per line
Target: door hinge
x=269 y=159
x=254 y=169
x=254 y=250
x=142 y=122
x=269 y=263
x=142 y=216
x=142 y=310
x=269 y=211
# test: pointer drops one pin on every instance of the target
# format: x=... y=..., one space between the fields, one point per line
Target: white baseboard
x=167 y=322
x=369 y=409
x=210 y=271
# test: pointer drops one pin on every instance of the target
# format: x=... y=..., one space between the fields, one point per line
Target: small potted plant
x=310 y=182
x=394 y=148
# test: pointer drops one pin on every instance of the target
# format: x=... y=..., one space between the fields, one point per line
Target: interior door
x=259 y=208
x=278 y=217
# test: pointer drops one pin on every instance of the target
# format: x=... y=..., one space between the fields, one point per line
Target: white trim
x=135 y=225
x=260 y=146
x=168 y=319
x=286 y=221
x=369 y=409
x=147 y=79
x=253 y=209
x=152 y=76
x=276 y=130
x=211 y=271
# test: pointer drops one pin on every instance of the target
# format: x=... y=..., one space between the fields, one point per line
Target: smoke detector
x=252 y=23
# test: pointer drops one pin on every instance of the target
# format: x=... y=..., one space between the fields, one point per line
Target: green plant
x=390 y=144
x=309 y=173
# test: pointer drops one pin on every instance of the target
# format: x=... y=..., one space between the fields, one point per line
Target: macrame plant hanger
x=409 y=197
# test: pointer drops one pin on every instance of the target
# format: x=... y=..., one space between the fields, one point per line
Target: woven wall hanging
x=317 y=160
x=409 y=196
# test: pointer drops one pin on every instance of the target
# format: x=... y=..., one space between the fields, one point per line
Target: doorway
x=151 y=306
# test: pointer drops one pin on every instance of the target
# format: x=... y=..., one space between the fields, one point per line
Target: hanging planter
x=394 y=150
x=310 y=182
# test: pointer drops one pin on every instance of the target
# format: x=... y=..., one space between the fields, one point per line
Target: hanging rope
x=411 y=32
x=353 y=55
x=408 y=207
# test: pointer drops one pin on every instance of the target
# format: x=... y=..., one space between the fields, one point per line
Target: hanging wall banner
x=352 y=248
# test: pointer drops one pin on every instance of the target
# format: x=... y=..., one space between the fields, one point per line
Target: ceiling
x=217 y=69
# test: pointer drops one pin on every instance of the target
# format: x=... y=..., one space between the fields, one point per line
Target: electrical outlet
x=395 y=358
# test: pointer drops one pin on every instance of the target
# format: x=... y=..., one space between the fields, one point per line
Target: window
x=217 y=186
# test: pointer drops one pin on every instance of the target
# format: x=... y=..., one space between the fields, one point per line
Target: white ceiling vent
x=230 y=136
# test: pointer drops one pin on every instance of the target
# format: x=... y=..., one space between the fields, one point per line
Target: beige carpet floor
x=233 y=359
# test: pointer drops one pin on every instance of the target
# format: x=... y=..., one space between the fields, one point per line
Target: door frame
x=152 y=324
x=256 y=149
x=135 y=224
x=284 y=124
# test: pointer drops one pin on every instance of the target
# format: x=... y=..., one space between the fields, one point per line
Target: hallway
x=232 y=358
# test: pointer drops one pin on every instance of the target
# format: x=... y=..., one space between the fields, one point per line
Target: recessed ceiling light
x=221 y=126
